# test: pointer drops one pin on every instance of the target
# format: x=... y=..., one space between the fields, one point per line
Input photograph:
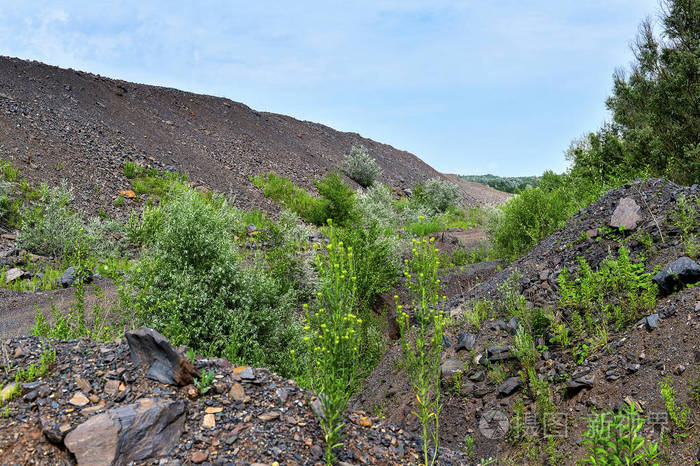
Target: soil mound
x=60 y=124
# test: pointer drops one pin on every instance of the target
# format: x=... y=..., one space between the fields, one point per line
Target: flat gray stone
x=499 y=353
x=465 y=341
x=450 y=367
x=13 y=274
x=579 y=383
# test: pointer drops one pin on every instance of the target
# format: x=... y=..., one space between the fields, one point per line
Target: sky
x=471 y=87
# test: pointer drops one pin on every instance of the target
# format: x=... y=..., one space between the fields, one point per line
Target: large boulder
x=165 y=363
x=626 y=214
x=149 y=428
x=683 y=271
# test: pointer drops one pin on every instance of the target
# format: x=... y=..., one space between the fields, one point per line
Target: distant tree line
x=509 y=184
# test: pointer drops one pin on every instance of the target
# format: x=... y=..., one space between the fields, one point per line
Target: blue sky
x=469 y=86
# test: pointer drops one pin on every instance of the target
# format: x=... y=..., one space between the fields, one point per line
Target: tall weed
x=332 y=336
x=421 y=341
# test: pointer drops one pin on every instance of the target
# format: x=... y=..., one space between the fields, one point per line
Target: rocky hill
x=64 y=124
x=663 y=342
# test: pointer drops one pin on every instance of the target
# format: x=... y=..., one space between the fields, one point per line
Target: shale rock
x=146 y=429
x=683 y=271
x=166 y=365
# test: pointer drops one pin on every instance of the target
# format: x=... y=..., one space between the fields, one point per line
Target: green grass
x=424 y=227
x=8 y=171
x=283 y=191
x=337 y=201
x=151 y=181
x=44 y=283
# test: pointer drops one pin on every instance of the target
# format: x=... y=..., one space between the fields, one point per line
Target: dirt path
x=18 y=310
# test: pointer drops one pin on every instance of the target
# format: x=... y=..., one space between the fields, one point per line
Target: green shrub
x=52 y=227
x=361 y=167
x=686 y=216
x=619 y=286
x=436 y=195
x=535 y=213
x=9 y=205
x=338 y=199
x=143 y=229
x=375 y=204
x=377 y=261
x=192 y=286
x=288 y=259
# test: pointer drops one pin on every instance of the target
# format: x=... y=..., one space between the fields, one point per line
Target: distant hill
x=60 y=124
x=509 y=184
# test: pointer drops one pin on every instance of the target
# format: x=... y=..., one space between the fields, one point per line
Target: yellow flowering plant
x=421 y=340
x=332 y=331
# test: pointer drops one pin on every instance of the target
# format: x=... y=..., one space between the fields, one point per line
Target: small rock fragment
x=83 y=385
x=237 y=392
x=652 y=322
x=209 y=421
x=79 y=399
x=509 y=386
x=271 y=416
x=200 y=456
